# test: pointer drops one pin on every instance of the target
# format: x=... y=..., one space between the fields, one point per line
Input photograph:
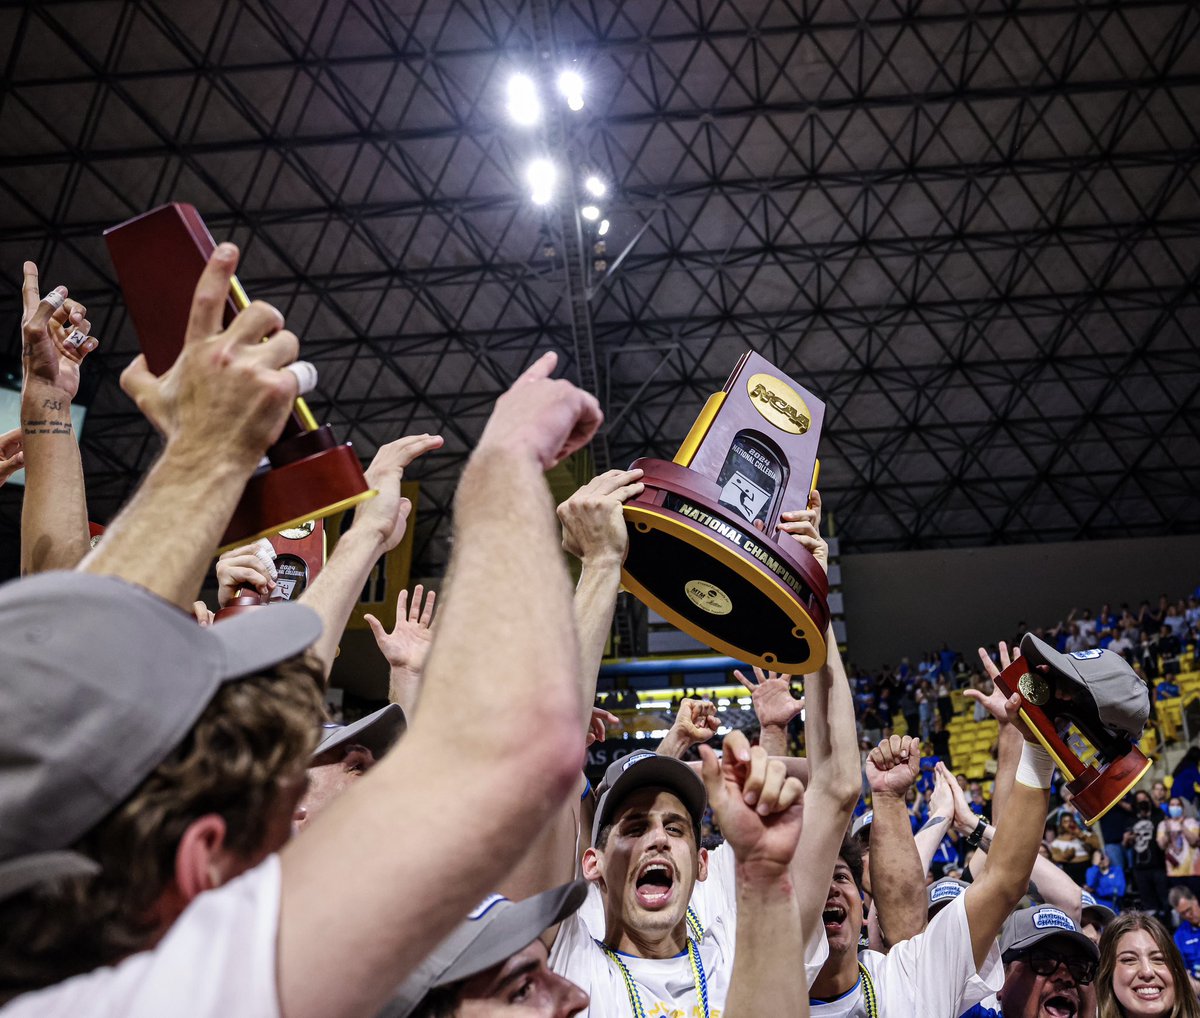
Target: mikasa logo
x=779 y=403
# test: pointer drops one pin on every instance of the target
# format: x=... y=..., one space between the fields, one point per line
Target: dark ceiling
x=972 y=228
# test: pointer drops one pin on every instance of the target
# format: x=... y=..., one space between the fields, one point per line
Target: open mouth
x=833 y=917
x=1060 y=1006
x=1148 y=992
x=654 y=884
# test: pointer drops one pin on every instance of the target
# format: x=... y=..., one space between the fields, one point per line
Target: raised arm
x=763 y=839
x=941 y=817
x=594 y=532
x=695 y=722
x=221 y=404
x=394 y=863
x=774 y=706
x=1019 y=828
x=897 y=877
x=378 y=526
x=407 y=645
x=54 y=530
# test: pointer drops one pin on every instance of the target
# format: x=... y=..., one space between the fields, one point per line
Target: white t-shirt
x=217 y=960
x=931 y=975
x=667 y=985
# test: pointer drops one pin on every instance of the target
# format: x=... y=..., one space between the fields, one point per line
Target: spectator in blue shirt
x=1187 y=937
x=1187 y=775
x=1166 y=690
x=1105 y=881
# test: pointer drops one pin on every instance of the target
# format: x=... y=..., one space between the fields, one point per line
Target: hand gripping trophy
x=704 y=551
x=1088 y=709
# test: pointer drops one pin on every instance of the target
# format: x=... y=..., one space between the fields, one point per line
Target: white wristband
x=1036 y=769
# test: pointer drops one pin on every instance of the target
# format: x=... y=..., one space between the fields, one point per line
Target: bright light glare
x=523 y=105
x=603 y=228
x=541 y=176
x=590 y=213
x=570 y=85
x=595 y=187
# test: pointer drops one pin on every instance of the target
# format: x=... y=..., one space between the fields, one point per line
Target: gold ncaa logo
x=708 y=597
x=779 y=403
x=299 y=533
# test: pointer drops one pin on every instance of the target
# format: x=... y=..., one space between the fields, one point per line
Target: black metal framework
x=971 y=226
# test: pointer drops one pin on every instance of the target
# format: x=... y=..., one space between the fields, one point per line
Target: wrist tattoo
x=46 y=426
x=985 y=842
x=932 y=822
x=52 y=404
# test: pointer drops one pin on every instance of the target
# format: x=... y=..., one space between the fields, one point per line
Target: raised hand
x=251 y=565
x=1006 y=710
x=804 y=526
x=387 y=513
x=593 y=526
x=599 y=724
x=894 y=765
x=771 y=695
x=12 y=458
x=941 y=800
x=696 y=720
x=407 y=645
x=227 y=394
x=757 y=806
x=543 y=417
x=54 y=335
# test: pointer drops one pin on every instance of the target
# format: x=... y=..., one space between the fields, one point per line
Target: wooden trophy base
x=289 y=493
x=1094 y=790
x=710 y=574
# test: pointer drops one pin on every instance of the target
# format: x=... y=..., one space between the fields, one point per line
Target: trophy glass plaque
x=159 y=257
x=703 y=548
x=1088 y=709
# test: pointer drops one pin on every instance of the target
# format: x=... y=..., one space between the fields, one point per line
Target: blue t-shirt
x=1187 y=939
x=979 y=1011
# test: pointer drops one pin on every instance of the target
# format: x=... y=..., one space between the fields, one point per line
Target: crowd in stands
x=185 y=831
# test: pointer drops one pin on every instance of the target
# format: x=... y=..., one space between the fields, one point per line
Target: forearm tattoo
x=46 y=426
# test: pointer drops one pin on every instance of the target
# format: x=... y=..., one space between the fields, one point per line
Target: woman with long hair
x=1141 y=972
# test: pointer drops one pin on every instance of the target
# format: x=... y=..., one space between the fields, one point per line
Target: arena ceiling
x=971 y=227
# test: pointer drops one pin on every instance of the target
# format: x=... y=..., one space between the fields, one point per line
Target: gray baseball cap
x=1029 y=926
x=648 y=770
x=377 y=731
x=494 y=931
x=1089 y=904
x=102 y=679
x=861 y=824
x=944 y=891
x=1121 y=699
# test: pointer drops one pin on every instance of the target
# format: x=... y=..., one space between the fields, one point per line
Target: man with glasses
x=1049 y=966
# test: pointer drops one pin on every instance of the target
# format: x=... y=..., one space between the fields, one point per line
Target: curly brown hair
x=254 y=734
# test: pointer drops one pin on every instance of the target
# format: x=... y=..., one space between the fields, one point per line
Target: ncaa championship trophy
x=159 y=257
x=703 y=548
x=1088 y=709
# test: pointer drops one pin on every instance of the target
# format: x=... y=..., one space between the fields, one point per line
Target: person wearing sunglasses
x=1049 y=968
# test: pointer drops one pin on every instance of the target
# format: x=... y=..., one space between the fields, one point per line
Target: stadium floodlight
x=570 y=84
x=541 y=176
x=523 y=104
x=603 y=228
x=590 y=213
x=595 y=186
